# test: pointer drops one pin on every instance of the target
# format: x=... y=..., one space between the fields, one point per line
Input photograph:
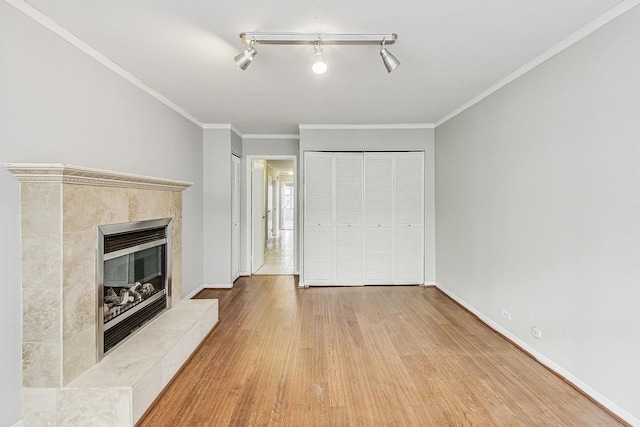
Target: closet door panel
x=349 y=255
x=409 y=188
x=348 y=189
x=318 y=178
x=318 y=254
x=409 y=251
x=379 y=255
x=378 y=183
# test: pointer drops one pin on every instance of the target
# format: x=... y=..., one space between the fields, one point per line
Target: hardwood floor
x=371 y=356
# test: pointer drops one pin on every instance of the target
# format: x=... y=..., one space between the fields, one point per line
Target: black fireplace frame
x=134 y=319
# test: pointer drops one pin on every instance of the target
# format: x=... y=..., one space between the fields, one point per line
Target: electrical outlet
x=536 y=332
x=506 y=314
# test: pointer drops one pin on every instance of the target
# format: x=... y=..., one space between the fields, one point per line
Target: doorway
x=272 y=209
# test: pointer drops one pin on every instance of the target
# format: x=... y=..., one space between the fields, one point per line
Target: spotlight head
x=390 y=61
x=319 y=66
x=243 y=59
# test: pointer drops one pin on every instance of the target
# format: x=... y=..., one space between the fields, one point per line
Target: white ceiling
x=450 y=51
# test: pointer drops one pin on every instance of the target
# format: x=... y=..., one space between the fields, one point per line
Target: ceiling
x=450 y=52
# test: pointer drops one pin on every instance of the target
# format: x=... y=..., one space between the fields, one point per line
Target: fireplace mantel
x=69 y=174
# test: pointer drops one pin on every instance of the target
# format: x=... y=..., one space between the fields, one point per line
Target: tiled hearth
x=61 y=206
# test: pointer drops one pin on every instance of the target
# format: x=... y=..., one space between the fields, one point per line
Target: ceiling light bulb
x=243 y=59
x=319 y=66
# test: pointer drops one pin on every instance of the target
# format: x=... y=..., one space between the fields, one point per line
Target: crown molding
x=381 y=126
x=49 y=24
x=270 y=136
x=583 y=32
x=222 y=126
x=69 y=174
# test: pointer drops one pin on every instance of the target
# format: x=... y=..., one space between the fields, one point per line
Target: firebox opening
x=134 y=278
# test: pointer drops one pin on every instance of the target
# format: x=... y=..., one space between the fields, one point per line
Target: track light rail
x=312 y=38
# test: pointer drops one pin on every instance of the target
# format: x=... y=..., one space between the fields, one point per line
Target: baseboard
x=218 y=285
x=19 y=424
x=194 y=293
x=429 y=284
x=549 y=364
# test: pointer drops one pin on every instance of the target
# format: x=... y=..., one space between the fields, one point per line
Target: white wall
x=57 y=105
x=218 y=146
x=380 y=139
x=538 y=210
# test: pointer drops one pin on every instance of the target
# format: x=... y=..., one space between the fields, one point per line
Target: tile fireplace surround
x=61 y=206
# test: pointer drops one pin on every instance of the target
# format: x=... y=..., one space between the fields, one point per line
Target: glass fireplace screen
x=134 y=279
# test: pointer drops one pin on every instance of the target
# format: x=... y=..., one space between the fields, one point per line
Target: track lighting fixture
x=319 y=65
x=244 y=59
x=390 y=61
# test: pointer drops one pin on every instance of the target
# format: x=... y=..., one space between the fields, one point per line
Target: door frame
x=248 y=159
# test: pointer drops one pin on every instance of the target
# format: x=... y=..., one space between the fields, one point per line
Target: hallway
x=278 y=258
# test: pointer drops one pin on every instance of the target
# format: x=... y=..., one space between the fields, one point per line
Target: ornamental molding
x=69 y=174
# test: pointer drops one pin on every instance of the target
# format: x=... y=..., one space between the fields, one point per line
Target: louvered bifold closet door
x=348 y=190
x=318 y=219
x=409 y=218
x=378 y=213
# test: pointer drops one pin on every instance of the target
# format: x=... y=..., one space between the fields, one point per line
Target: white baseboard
x=207 y=286
x=218 y=285
x=541 y=358
x=428 y=284
x=194 y=293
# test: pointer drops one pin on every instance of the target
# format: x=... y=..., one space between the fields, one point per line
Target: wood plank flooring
x=370 y=356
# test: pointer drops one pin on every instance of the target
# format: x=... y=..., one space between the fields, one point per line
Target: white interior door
x=235 y=217
x=275 y=217
x=270 y=207
x=287 y=205
x=258 y=219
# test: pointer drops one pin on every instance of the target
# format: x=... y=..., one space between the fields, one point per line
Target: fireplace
x=61 y=207
x=134 y=278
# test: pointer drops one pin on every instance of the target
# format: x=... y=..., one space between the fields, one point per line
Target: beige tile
x=79 y=310
x=147 y=343
x=176 y=279
x=41 y=364
x=87 y=206
x=39 y=406
x=115 y=372
x=79 y=352
x=79 y=259
x=176 y=204
x=147 y=389
x=41 y=208
x=41 y=313
x=176 y=260
x=149 y=204
x=42 y=261
x=94 y=407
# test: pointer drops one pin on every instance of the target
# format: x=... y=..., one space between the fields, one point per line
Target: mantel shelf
x=69 y=174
